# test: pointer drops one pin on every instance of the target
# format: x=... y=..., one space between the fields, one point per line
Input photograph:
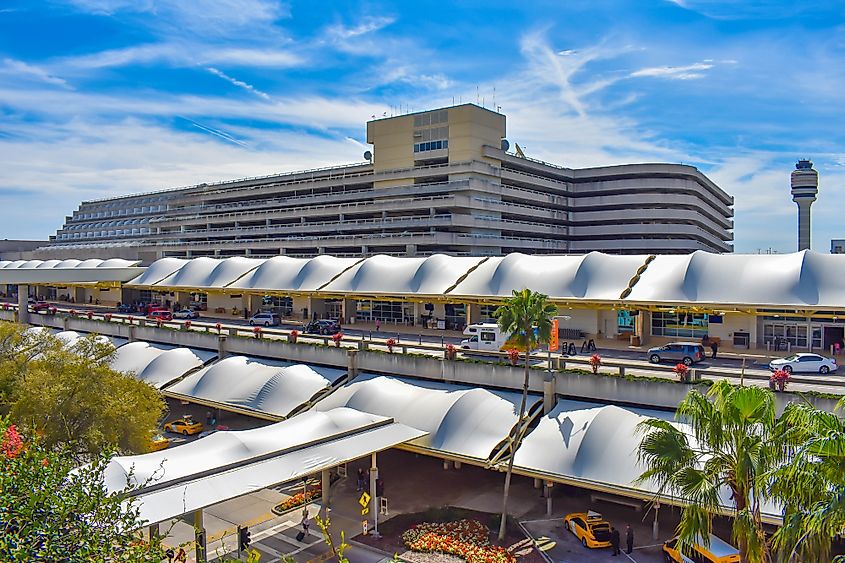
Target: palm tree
x=731 y=448
x=811 y=485
x=527 y=315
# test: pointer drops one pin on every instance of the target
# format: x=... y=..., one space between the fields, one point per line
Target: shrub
x=468 y=539
x=451 y=351
x=187 y=325
x=778 y=380
x=595 y=363
x=299 y=499
x=256 y=330
x=513 y=356
x=391 y=342
x=336 y=338
x=681 y=370
x=294 y=334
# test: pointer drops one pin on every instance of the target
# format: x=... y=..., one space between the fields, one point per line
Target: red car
x=160 y=315
x=43 y=306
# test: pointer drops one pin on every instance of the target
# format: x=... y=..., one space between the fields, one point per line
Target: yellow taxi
x=719 y=551
x=159 y=442
x=589 y=527
x=185 y=425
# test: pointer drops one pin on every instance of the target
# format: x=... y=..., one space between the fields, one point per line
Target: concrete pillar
x=547 y=492
x=374 y=507
x=351 y=364
x=23 y=304
x=154 y=533
x=457 y=465
x=655 y=527
x=221 y=347
x=548 y=393
x=199 y=531
x=473 y=313
x=446 y=465
x=538 y=483
x=132 y=337
x=325 y=484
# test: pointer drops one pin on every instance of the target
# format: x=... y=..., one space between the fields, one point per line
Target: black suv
x=323 y=326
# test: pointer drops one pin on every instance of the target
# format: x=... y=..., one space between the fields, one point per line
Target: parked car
x=186 y=314
x=44 y=307
x=160 y=315
x=589 y=527
x=159 y=443
x=125 y=308
x=185 y=425
x=719 y=551
x=686 y=353
x=323 y=326
x=804 y=363
x=265 y=319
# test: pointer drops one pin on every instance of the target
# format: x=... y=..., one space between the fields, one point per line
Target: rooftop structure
x=439 y=181
x=805 y=188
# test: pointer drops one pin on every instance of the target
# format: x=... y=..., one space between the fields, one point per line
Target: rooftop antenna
x=476 y=94
x=494 y=96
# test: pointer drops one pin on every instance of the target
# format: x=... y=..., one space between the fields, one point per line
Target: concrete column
x=548 y=393
x=221 y=347
x=538 y=483
x=199 y=531
x=374 y=507
x=325 y=484
x=473 y=313
x=132 y=337
x=655 y=527
x=65 y=323
x=154 y=534
x=23 y=304
x=351 y=364
x=547 y=492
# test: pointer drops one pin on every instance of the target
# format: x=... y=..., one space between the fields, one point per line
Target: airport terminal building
x=440 y=181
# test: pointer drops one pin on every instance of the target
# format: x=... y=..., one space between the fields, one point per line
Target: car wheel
x=787 y=369
x=687 y=361
x=251 y=323
x=824 y=369
x=266 y=324
x=654 y=358
x=584 y=542
x=185 y=432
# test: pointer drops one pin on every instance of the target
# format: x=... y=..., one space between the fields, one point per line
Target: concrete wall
x=735 y=322
x=226 y=301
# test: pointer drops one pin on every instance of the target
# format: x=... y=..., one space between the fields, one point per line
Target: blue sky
x=107 y=97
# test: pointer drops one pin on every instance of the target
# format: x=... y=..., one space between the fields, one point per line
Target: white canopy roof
x=593 y=276
x=210 y=272
x=159 y=270
x=158 y=364
x=227 y=465
x=592 y=443
x=69 y=338
x=798 y=279
x=284 y=273
x=464 y=421
x=263 y=386
x=68 y=271
x=382 y=274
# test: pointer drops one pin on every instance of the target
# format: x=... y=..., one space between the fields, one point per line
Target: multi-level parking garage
x=460 y=194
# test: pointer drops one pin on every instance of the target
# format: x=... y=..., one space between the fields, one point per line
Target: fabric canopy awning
x=58 y=272
x=227 y=465
x=158 y=364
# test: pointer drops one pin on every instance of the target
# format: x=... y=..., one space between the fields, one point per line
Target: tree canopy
x=70 y=397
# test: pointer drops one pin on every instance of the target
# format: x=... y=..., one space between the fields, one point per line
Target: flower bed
x=298 y=500
x=468 y=539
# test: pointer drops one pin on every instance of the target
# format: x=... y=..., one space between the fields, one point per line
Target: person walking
x=714 y=347
x=361 y=480
x=306 y=520
x=629 y=538
x=614 y=541
x=378 y=325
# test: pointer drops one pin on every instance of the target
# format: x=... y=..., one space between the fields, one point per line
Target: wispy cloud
x=366 y=25
x=22 y=69
x=239 y=83
x=688 y=72
x=218 y=133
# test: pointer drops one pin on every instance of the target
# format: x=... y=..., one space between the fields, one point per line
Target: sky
x=108 y=97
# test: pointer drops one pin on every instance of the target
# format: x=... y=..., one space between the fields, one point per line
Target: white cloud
x=366 y=25
x=239 y=83
x=687 y=72
x=21 y=69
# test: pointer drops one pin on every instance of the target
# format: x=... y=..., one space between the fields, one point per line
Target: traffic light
x=243 y=538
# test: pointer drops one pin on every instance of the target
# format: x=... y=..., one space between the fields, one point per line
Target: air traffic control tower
x=805 y=187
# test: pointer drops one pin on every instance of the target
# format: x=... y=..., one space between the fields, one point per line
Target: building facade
x=438 y=182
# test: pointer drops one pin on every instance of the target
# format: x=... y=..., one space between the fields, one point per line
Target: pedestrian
x=614 y=541
x=361 y=481
x=629 y=538
x=213 y=420
x=714 y=347
x=181 y=556
x=378 y=325
x=208 y=418
x=306 y=520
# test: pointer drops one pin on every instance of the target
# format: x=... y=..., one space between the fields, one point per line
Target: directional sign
x=364 y=500
x=553 y=337
x=365 y=511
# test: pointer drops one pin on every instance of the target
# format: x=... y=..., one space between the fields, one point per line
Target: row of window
x=432 y=146
x=431 y=118
x=679 y=325
x=88 y=226
x=431 y=134
x=95 y=234
x=121 y=211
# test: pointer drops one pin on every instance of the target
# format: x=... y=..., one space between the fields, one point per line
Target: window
x=624 y=322
x=684 y=325
x=488 y=336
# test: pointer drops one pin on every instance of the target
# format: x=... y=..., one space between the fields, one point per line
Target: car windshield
x=791 y=358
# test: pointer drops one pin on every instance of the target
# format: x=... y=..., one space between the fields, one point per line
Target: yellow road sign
x=365 y=511
x=364 y=500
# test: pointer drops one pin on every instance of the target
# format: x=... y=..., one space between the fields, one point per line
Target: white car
x=265 y=319
x=804 y=363
x=186 y=314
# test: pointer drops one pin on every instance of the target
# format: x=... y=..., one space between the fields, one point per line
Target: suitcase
x=300 y=536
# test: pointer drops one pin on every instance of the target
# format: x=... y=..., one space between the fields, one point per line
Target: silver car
x=804 y=363
x=686 y=353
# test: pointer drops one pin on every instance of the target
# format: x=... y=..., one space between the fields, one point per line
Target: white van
x=486 y=337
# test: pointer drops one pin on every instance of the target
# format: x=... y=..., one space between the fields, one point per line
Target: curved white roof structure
x=157 y=364
x=261 y=386
x=593 y=276
x=462 y=421
x=209 y=272
x=284 y=273
x=69 y=338
x=68 y=271
x=226 y=465
x=157 y=271
x=803 y=278
x=382 y=274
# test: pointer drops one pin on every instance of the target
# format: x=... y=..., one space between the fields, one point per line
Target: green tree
x=527 y=315
x=733 y=447
x=72 y=398
x=52 y=510
x=811 y=485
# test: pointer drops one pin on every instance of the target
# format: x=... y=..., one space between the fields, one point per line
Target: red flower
x=11 y=443
x=337 y=337
x=45 y=462
x=218 y=326
x=595 y=362
x=513 y=356
x=391 y=342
